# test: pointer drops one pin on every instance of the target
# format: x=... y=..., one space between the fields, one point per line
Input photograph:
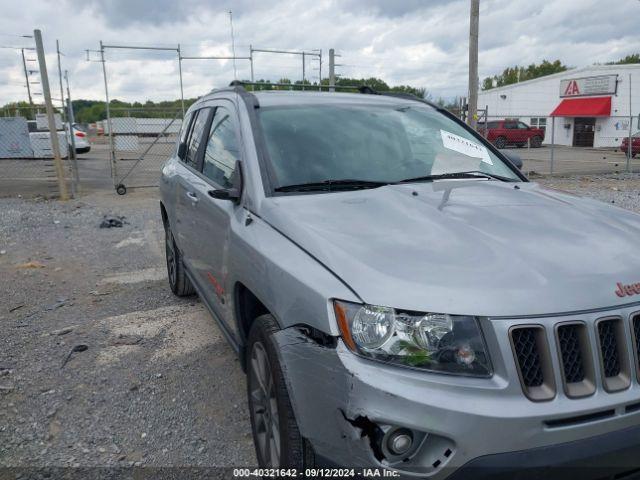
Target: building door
x=583 y=132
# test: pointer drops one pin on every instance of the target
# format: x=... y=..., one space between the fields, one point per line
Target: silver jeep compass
x=400 y=296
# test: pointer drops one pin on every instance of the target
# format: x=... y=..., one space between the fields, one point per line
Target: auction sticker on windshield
x=466 y=147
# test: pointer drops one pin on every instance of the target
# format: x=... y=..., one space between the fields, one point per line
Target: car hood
x=472 y=247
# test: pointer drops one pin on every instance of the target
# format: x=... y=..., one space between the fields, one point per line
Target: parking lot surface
x=157 y=385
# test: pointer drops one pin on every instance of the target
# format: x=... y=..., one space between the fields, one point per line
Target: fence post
x=630 y=145
x=55 y=145
x=114 y=167
x=71 y=120
x=553 y=141
x=180 y=73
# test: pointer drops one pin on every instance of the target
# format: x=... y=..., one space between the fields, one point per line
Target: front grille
x=525 y=346
x=636 y=336
x=571 y=353
x=609 y=348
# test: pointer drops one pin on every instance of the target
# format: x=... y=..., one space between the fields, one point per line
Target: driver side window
x=222 y=150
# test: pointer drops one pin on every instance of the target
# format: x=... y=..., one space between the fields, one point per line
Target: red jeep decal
x=628 y=290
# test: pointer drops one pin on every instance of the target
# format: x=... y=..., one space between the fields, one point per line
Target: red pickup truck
x=513 y=132
x=635 y=145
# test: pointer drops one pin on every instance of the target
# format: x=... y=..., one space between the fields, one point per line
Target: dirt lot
x=157 y=386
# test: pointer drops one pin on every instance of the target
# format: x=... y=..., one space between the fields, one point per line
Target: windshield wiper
x=330 y=185
x=468 y=174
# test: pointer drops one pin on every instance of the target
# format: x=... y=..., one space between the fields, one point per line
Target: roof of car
x=268 y=98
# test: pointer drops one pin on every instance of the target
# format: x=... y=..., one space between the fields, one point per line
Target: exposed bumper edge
x=616 y=453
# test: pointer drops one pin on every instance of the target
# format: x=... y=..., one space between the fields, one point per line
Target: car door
x=215 y=216
x=511 y=132
x=187 y=199
x=523 y=132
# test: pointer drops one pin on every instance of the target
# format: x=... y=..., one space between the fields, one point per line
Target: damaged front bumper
x=345 y=404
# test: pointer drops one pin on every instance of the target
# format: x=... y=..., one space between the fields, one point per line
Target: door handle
x=192 y=196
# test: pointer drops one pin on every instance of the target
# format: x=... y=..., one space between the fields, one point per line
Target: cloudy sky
x=418 y=42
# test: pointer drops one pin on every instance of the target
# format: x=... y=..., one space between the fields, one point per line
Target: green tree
x=629 y=59
x=516 y=74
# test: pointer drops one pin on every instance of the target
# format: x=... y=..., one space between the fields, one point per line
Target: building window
x=539 y=122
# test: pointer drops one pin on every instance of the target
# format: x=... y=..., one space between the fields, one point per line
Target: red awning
x=583 y=107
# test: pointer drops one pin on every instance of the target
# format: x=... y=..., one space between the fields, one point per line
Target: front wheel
x=276 y=437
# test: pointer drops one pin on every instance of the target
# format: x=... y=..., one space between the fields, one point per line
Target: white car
x=80 y=136
x=81 y=139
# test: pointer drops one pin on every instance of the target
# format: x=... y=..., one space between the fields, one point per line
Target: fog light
x=400 y=441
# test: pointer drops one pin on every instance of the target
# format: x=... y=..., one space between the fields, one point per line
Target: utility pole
x=60 y=77
x=26 y=77
x=332 y=70
x=473 y=63
x=55 y=145
x=303 y=62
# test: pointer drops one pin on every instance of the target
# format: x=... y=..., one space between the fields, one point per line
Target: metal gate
x=139 y=143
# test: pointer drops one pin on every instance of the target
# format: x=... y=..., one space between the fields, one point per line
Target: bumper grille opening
x=636 y=339
x=526 y=347
x=533 y=361
x=571 y=352
x=580 y=419
x=576 y=359
x=615 y=364
x=609 y=348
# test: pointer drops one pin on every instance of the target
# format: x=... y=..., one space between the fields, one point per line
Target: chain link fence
x=137 y=143
x=565 y=146
x=26 y=154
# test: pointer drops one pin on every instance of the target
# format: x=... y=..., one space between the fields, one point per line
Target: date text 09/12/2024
x=315 y=473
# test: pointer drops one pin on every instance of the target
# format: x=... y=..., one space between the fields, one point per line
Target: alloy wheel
x=264 y=407
x=172 y=261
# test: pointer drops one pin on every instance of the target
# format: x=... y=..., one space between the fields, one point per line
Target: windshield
x=311 y=143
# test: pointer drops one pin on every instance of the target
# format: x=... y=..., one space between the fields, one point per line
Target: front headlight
x=429 y=341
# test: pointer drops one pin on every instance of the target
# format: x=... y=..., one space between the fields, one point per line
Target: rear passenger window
x=222 y=149
x=195 y=138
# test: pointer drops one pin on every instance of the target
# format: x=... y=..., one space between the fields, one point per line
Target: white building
x=589 y=106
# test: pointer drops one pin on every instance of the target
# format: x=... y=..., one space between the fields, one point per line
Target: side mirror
x=514 y=158
x=234 y=193
x=182 y=149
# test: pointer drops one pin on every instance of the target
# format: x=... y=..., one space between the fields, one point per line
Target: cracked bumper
x=479 y=420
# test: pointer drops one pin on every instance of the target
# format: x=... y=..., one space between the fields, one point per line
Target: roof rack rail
x=297 y=86
x=364 y=89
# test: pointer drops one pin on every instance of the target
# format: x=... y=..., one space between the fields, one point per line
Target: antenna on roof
x=233 y=46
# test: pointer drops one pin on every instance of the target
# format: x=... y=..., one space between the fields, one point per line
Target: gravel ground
x=157 y=386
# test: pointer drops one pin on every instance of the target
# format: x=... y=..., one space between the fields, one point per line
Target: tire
x=178 y=281
x=500 y=142
x=121 y=189
x=262 y=361
x=535 y=142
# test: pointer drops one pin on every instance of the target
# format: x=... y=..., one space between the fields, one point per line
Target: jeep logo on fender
x=628 y=290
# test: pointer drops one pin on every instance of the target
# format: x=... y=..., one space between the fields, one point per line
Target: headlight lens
x=429 y=341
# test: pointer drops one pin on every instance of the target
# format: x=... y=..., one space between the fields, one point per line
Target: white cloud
x=404 y=42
